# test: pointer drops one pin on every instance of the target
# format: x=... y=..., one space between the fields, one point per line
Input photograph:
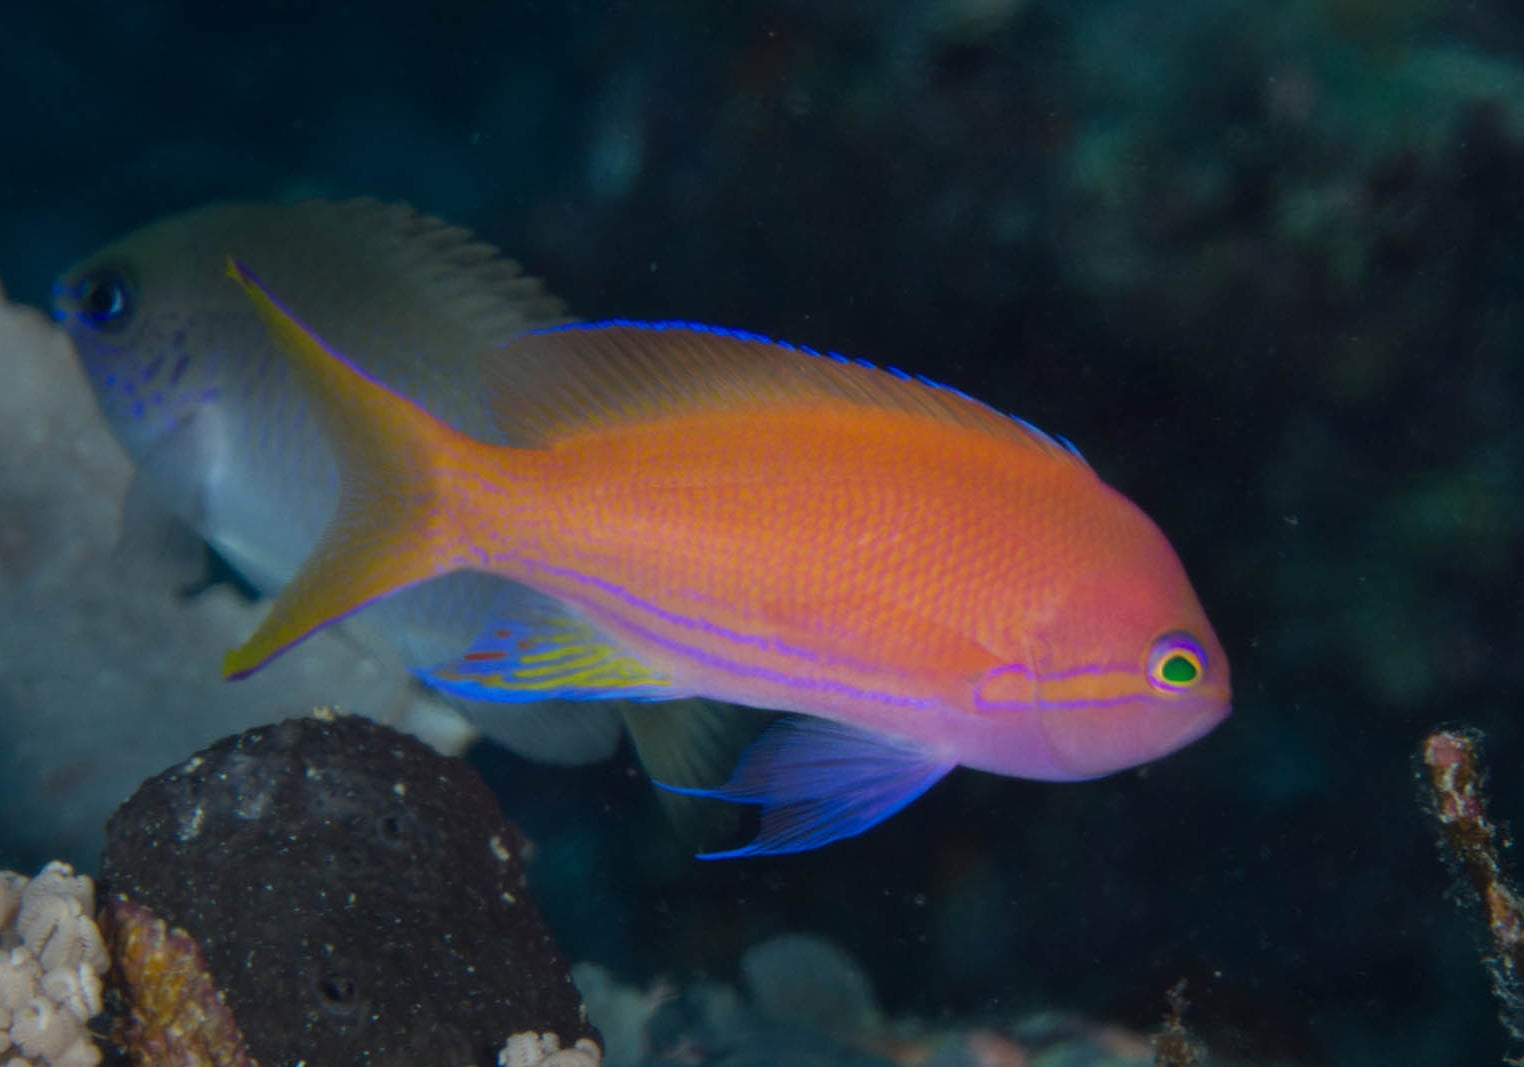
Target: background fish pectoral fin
x=173 y=470
x=165 y=505
x=818 y=781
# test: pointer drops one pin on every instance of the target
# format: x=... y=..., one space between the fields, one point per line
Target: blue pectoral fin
x=548 y=656
x=818 y=781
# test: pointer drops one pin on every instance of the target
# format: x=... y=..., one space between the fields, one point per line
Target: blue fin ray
x=558 y=381
x=818 y=781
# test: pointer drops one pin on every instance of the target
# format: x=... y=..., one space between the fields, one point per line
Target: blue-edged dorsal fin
x=818 y=781
x=549 y=384
x=547 y=655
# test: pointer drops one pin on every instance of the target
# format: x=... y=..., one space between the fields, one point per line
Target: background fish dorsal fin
x=447 y=268
x=553 y=383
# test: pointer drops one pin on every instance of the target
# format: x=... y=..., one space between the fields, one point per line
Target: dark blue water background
x=1261 y=261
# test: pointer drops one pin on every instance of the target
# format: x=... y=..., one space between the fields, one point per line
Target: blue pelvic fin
x=818 y=781
x=548 y=655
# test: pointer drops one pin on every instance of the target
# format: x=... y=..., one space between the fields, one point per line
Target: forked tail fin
x=390 y=528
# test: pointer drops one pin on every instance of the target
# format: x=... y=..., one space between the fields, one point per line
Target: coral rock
x=349 y=895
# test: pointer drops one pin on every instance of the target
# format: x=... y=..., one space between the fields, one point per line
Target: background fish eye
x=105 y=299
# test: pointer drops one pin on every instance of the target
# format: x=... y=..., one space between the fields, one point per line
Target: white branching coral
x=51 y=962
x=531 y=1049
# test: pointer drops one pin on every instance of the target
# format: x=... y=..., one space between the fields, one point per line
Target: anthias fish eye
x=1175 y=663
x=105 y=299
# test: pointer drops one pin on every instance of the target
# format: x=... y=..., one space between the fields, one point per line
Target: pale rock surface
x=108 y=674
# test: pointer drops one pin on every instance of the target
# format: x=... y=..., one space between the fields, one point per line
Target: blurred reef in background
x=1261 y=261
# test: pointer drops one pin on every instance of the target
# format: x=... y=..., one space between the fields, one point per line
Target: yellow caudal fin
x=390 y=525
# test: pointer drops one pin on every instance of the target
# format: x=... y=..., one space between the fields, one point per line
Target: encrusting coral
x=51 y=962
x=531 y=1049
x=1476 y=848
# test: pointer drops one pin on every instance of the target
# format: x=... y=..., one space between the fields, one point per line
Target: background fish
x=710 y=514
x=222 y=433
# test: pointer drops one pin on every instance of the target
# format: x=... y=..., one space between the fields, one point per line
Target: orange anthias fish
x=930 y=583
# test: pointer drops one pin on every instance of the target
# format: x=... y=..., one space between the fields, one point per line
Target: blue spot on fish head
x=134 y=349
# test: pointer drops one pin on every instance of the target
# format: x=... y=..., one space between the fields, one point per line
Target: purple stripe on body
x=731 y=666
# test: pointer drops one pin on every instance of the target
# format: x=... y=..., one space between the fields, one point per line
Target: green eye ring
x=1176 y=662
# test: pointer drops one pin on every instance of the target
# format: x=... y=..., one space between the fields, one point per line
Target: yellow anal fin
x=550 y=656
